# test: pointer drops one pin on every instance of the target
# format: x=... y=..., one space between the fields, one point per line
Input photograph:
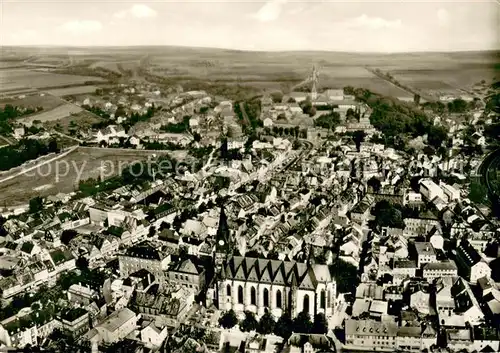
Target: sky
x=275 y=25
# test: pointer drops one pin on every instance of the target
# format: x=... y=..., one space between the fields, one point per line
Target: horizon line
x=55 y=46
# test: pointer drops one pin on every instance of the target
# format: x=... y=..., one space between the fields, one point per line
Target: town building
x=144 y=257
x=114 y=328
x=75 y=321
x=471 y=265
x=370 y=334
x=431 y=190
x=442 y=269
x=425 y=253
x=188 y=272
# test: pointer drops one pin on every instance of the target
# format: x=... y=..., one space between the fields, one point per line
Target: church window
x=240 y=295
x=253 y=296
x=266 y=297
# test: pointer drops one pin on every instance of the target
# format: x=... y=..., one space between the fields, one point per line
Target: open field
x=58 y=113
x=425 y=71
x=61 y=92
x=281 y=70
x=84 y=120
x=62 y=175
x=11 y=64
x=46 y=101
x=13 y=79
x=445 y=80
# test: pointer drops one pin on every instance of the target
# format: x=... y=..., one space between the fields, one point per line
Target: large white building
x=371 y=335
x=251 y=284
x=441 y=269
x=430 y=190
x=425 y=253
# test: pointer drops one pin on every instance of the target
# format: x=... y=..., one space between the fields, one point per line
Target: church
x=257 y=285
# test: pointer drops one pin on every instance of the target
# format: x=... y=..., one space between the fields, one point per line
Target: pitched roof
x=190 y=265
x=468 y=254
x=117 y=319
x=274 y=271
x=143 y=251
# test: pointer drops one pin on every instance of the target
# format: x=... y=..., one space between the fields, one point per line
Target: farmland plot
x=54 y=114
x=47 y=102
x=61 y=92
x=445 y=80
x=13 y=79
x=63 y=175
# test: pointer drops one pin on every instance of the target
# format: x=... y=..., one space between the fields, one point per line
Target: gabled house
x=152 y=336
x=470 y=262
x=188 y=272
x=456 y=304
x=111 y=134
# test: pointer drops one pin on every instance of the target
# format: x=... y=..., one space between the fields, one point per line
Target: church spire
x=223 y=237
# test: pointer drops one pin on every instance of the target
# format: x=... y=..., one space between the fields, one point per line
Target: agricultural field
x=47 y=102
x=14 y=79
x=445 y=80
x=69 y=91
x=425 y=71
x=57 y=113
x=262 y=71
x=11 y=64
x=83 y=120
x=62 y=175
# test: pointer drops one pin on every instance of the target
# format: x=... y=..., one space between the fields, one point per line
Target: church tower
x=224 y=243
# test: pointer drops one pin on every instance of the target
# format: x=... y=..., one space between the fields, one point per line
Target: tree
x=249 y=323
x=53 y=148
x=388 y=215
x=36 y=205
x=374 y=183
x=67 y=235
x=277 y=97
x=478 y=193
x=82 y=263
x=302 y=323
x=457 y=106
x=349 y=90
x=358 y=136
x=436 y=136
x=3 y=231
x=228 y=320
x=283 y=327
x=345 y=274
x=350 y=114
x=266 y=324
x=320 y=325
x=291 y=100
x=328 y=121
x=307 y=107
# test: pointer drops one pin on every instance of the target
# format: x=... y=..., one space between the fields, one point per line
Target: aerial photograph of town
x=261 y=176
